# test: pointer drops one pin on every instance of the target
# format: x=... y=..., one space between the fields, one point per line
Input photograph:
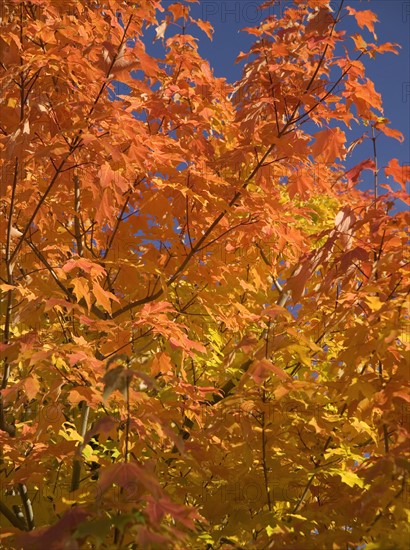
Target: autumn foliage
x=203 y=315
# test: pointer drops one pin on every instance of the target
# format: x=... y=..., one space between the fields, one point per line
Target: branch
x=67 y=291
x=41 y=201
x=229 y=385
x=198 y=245
x=74 y=145
x=264 y=462
x=317 y=465
x=387 y=506
x=28 y=509
x=13 y=519
x=119 y=220
x=4 y=426
x=336 y=20
x=321 y=100
x=77 y=203
x=75 y=478
x=250 y=221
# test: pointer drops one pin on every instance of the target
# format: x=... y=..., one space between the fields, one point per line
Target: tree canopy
x=203 y=314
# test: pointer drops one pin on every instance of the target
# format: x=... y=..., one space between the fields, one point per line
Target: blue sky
x=389 y=72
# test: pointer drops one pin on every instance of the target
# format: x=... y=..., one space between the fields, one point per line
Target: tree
x=203 y=340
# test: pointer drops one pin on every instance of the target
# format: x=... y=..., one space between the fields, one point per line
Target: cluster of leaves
x=203 y=339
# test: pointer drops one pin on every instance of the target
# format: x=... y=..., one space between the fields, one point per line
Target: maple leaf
x=81 y=290
x=161 y=363
x=86 y=265
x=400 y=173
x=178 y=10
x=204 y=26
x=329 y=144
x=117 y=378
x=160 y=30
x=320 y=22
x=257 y=296
x=103 y=297
x=354 y=173
x=131 y=477
x=261 y=369
x=356 y=142
x=31 y=386
x=364 y=18
x=349 y=478
x=58 y=536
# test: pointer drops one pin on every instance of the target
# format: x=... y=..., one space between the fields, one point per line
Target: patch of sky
x=177 y=228
x=182 y=166
x=117 y=90
x=172 y=134
x=294 y=310
x=140 y=115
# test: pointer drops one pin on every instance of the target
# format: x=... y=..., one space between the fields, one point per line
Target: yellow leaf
x=5 y=287
x=350 y=478
x=374 y=303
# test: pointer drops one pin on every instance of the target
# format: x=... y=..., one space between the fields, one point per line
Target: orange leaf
x=329 y=145
x=86 y=265
x=364 y=18
x=81 y=290
x=205 y=26
x=161 y=363
x=390 y=132
x=32 y=386
x=103 y=297
x=320 y=23
x=260 y=369
x=400 y=173
x=178 y=10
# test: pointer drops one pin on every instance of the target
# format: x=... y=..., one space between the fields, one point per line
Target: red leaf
x=84 y=264
x=148 y=539
x=131 y=477
x=57 y=536
x=354 y=173
x=320 y=23
x=104 y=425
